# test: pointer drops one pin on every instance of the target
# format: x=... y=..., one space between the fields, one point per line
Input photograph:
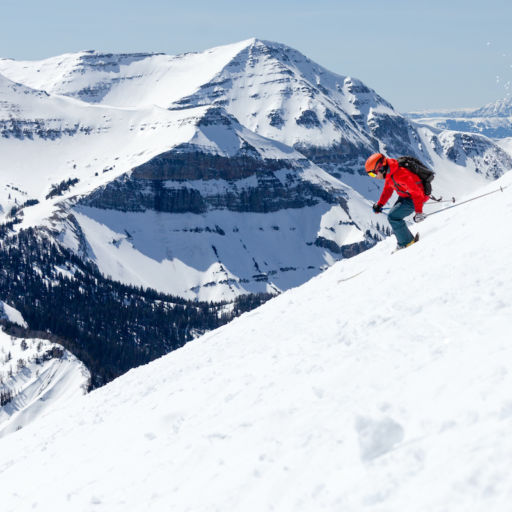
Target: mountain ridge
x=253 y=98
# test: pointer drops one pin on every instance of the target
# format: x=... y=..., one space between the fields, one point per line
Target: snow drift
x=382 y=383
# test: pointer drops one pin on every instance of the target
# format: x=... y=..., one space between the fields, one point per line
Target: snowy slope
x=223 y=241
x=38 y=376
x=122 y=80
x=381 y=384
x=506 y=144
x=11 y=315
x=48 y=139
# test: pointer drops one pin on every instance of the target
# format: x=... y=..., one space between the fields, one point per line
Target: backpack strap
x=398 y=188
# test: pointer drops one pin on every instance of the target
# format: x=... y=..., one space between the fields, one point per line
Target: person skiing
x=411 y=195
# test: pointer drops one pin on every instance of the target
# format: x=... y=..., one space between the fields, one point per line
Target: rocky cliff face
x=244 y=184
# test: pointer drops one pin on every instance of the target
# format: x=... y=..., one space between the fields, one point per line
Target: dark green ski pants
x=401 y=209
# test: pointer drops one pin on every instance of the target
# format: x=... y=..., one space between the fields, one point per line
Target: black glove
x=419 y=217
x=377 y=208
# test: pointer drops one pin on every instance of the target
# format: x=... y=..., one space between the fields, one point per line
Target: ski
x=413 y=241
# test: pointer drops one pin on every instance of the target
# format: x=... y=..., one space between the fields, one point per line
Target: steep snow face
x=322 y=399
x=506 y=144
x=9 y=314
x=279 y=93
x=122 y=80
x=204 y=220
x=220 y=254
x=36 y=376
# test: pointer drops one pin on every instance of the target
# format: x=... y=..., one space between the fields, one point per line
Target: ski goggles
x=378 y=168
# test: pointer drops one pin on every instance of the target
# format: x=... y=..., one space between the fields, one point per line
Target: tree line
x=111 y=327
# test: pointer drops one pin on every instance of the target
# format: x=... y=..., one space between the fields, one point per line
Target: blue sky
x=428 y=54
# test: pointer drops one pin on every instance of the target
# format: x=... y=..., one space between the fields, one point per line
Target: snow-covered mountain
x=492 y=120
x=205 y=218
x=104 y=150
x=500 y=108
x=270 y=88
x=36 y=376
x=381 y=384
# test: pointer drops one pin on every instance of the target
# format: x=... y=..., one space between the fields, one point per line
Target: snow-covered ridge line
x=493 y=120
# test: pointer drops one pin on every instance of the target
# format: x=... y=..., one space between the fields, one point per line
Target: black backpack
x=424 y=173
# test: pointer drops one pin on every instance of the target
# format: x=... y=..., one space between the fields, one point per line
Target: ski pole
x=452 y=200
x=441 y=200
x=501 y=189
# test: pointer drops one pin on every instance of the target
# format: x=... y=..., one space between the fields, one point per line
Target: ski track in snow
x=382 y=384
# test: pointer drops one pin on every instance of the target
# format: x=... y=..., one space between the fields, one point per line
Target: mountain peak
x=500 y=108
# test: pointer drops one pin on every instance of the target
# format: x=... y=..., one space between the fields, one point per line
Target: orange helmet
x=375 y=163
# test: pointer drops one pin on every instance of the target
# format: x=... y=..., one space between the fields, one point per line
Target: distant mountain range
x=492 y=120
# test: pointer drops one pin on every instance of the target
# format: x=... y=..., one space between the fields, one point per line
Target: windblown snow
x=381 y=384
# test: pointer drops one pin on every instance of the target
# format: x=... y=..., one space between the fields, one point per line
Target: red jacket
x=405 y=183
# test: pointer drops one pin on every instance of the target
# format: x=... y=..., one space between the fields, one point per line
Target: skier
x=411 y=195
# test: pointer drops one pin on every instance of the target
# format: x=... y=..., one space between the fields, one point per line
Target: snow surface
x=136 y=80
x=38 y=387
x=506 y=144
x=11 y=315
x=382 y=384
x=165 y=258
